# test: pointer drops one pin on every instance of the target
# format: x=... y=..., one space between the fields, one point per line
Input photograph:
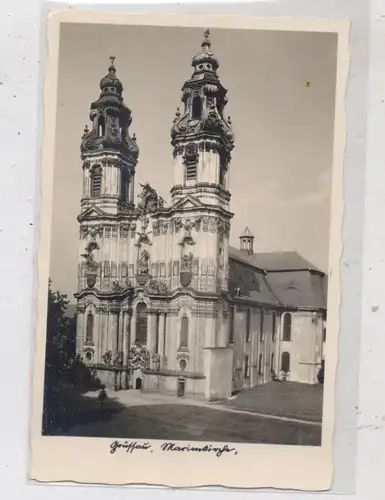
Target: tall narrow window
x=196 y=108
x=190 y=172
x=248 y=329
x=260 y=364
x=272 y=362
x=124 y=182
x=184 y=332
x=141 y=324
x=273 y=327
x=285 y=362
x=96 y=181
x=286 y=335
x=261 y=325
x=90 y=328
x=101 y=126
x=246 y=366
x=231 y=326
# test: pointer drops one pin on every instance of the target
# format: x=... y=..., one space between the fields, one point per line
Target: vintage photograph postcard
x=190 y=241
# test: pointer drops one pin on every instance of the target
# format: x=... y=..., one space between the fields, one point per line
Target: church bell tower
x=202 y=141
x=201 y=136
x=109 y=153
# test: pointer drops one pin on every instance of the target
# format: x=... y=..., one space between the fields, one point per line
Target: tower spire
x=201 y=130
x=206 y=44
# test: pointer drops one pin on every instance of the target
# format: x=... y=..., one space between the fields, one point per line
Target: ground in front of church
x=275 y=413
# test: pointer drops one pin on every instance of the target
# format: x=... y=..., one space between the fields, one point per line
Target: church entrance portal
x=138 y=383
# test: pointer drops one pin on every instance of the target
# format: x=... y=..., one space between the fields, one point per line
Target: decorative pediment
x=91 y=213
x=188 y=202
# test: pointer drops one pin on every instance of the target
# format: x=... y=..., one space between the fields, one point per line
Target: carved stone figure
x=118 y=359
x=107 y=357
x=150 y=200
x=116 y=286
x=187 y=262
x=143 y=262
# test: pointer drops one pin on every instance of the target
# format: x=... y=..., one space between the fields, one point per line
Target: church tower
x=201 y=136
x=109 y=153
x=109 y=156
x=202 y=139
x=107 y=222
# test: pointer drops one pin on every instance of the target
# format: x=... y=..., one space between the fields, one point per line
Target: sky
x=281 y=91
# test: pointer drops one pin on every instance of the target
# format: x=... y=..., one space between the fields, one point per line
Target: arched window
x=141 y=324
x=286 y=335
x=96 y=181
x=90 y=327
x=101 y=126
x=184 y=331
x=196 y=108
x=285 y=362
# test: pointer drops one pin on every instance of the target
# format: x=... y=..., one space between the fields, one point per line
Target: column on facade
x=132 y=187
x=121 y=331
x=151 y=333
x=132 y=329
x=162 y=331
x=79 y=332
x=111 y=341
x=126 y=337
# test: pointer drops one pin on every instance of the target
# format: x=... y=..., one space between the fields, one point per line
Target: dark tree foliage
x=65 y=374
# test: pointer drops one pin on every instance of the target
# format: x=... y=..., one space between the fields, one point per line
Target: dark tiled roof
x=250 y=282
x=301 y=289
x=285 y=278
x=283 y=261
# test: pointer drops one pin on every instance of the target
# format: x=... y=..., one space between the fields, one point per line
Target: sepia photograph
x=187 y=277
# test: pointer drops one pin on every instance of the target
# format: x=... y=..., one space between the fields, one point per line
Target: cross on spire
x=206 y=42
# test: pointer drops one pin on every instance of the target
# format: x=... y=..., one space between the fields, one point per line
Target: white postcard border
x=88 y=460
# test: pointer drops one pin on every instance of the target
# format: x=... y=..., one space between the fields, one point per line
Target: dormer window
x=196 y=108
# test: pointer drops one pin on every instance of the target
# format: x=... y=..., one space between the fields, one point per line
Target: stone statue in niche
x=143 y=262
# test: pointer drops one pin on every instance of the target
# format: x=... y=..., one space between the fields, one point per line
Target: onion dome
x=247 y=233
x=205 y=60
x=110 y=84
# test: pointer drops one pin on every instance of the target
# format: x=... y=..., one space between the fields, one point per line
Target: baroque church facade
x=164 y=302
